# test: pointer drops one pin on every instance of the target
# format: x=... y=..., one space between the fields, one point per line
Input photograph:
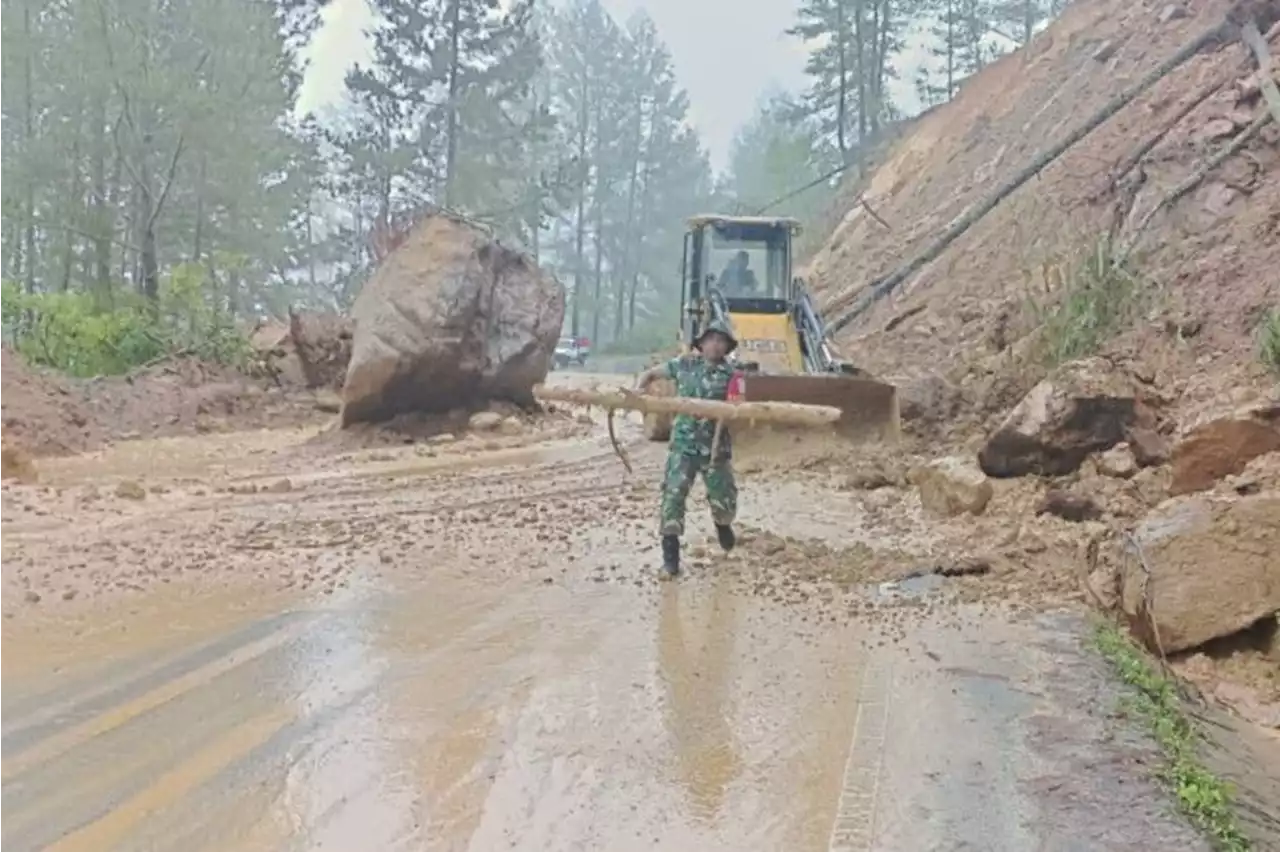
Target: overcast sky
x=728 y=54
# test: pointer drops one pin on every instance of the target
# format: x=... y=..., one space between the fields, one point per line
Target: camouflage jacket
x=698 y=378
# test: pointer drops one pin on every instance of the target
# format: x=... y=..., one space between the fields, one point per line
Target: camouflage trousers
x=682 y=470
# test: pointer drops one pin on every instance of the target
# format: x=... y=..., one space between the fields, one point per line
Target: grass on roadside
x=1202 y=796
x=1090 y=297
x=1269 y=339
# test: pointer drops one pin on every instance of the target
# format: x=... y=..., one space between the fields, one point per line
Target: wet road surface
x=464 y=656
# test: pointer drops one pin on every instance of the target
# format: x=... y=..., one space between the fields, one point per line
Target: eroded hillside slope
x=1209 y=266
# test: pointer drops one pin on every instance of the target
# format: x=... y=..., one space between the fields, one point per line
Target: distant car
x=571 y=350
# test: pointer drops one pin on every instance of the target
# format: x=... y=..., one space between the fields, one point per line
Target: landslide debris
x=1100 y=322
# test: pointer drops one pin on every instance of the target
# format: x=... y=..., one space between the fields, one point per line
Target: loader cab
x=743 y=261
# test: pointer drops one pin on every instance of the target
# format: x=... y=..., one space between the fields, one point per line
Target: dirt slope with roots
x=1206 y=265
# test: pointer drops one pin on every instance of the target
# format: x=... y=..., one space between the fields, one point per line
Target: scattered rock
x=1224 y=446
x=1213 y=569
x=130 y=490
x=1084 y=407
x=1117 y=462
x=322 y=342
x=930 y=399
x=485 y=421
x=280 y=486
x=1172 y=12
x=1248 y=703
x=873 y=474
x=510 y=426
x=1068 y=506
x=952 y=486
x=1148 y=446
x=330 y=403
x=31 y=596
x=450 y=318
x=1185 y=328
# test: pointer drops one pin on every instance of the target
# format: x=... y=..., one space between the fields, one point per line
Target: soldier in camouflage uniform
x=705 y=375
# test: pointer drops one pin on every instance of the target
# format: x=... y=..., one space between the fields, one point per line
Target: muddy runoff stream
x=466 y=647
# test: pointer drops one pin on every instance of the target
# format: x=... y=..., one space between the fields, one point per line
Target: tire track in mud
x=374 y=492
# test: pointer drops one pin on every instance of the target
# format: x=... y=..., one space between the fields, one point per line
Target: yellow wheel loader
x=738 y=269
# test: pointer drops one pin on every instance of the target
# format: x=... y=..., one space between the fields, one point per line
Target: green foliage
x=1094 y=298
x=180 y=108
x=72 y=333
x=1269 y=339
x=1202 y=796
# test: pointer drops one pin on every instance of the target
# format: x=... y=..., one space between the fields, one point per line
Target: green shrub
x=1098 y=298
x=1269 y=339
x=73 y=333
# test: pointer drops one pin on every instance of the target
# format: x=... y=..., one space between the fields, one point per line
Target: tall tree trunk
x=580 y=234
x=311 y=246
x=451 y=131
x=951 y=49
x=601 y=188
x=102 y=217
x=197 y=240
x=644 y=223
x=149 y=263
x=842 y=91
x=884 y=29
x=73 y=206
x=28 y=133
x=860 y=69
x=628 y=237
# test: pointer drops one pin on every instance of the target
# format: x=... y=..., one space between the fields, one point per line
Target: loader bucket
x=869 y=409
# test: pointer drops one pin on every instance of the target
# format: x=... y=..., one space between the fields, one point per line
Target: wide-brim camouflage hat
x=717 y=327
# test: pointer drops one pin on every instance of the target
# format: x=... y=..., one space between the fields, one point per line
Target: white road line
x=854 y=827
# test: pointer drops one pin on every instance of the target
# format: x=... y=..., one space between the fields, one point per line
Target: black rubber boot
x=671 y=555
x=724 y=532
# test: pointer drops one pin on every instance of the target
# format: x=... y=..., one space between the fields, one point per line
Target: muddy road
x=260 y=642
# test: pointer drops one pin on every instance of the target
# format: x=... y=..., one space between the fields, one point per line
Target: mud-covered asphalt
x=466 y=648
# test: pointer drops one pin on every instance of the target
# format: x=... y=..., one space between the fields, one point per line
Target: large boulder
x=1214 y=569
x=1224 y=446
x=322 y=343
x=952 y=486
x=1084 y=407
x=451 y=319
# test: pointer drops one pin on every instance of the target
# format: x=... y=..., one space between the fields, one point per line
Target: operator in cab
x=703 y=374
x=738 y=279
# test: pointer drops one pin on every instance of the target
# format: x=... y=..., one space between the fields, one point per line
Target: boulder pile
x=1183 y=525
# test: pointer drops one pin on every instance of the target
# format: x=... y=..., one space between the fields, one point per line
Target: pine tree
x=850 y=66
x=438 y=111
x=773 y=156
